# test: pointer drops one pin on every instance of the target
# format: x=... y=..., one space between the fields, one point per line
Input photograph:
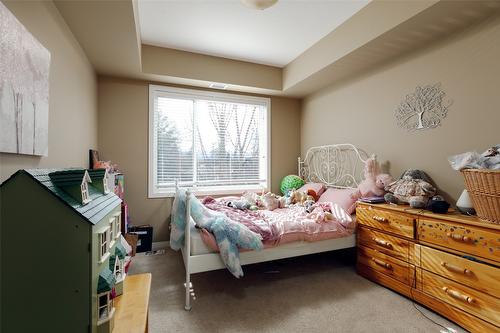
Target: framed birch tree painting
x=24 y=89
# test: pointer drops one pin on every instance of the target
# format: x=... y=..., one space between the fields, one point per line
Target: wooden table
x=131 y=308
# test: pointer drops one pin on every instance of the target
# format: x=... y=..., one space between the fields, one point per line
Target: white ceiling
x=226 y=28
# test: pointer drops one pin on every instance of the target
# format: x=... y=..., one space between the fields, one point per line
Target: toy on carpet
x=411 y=188
x=291 y=182
x=374 y=183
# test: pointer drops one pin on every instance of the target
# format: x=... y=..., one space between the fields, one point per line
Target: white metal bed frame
x=339 y=166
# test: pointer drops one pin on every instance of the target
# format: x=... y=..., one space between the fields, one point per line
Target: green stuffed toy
x=291 y=182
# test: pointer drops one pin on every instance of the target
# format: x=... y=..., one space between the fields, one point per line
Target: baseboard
x=160 y=245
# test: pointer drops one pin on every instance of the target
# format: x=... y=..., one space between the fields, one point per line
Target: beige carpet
x=316 y=293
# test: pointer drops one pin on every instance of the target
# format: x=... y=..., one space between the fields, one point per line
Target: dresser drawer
x=394 y=222
x=476 y=275
x=468 y=239
x=391 y=245
x=395 y=268
x=470 y=300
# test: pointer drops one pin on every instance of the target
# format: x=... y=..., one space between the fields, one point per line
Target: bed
x=338 y=166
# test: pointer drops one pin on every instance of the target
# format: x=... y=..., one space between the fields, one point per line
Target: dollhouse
x=63 y=260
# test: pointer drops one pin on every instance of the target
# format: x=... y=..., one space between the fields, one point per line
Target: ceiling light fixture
x=259 y=4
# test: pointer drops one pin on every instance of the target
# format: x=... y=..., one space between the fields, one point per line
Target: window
x=104 y=240
x=85 y=192
x=212 y=142
x=118 y=269
x=104 y=306
x=115 y=223
x=112 y=226
x=118 y=221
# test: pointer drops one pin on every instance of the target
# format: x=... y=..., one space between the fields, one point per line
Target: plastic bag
x=490 y=159
x=469 y=160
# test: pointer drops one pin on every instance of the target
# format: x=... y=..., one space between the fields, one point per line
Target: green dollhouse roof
x=94 y=211
x=97 y=174
x=69 y=177
x=106 y=280
x=120 y=251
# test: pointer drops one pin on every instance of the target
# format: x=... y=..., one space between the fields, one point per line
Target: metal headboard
x=340 y=165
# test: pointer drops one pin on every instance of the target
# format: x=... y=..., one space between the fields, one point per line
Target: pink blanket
x=286 y=225
x=251 y=219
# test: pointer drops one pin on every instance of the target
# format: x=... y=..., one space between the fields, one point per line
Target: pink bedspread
x=285 y=225
x=251 y=219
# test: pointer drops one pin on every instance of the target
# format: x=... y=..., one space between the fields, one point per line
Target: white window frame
x=105 y=255
x=84 y=187
x=154 y=90
x=109 y=306
x=112 y=232
x=118 y=224
x=119 y=269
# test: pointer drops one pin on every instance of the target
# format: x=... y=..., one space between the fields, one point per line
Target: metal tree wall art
x=423 y=109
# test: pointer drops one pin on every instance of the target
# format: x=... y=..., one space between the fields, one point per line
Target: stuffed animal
x=270 y=201
x=239 y=204
x=309 y=205
x=411 y=188
x=299 y=197
x=374 y=183
x=313 y=194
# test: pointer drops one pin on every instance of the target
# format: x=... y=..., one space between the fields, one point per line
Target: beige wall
x=361 y=110
x=73 y=92
x=195 y=66
x=123 y=139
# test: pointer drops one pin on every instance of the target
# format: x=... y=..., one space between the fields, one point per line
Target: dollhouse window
x=112 y=226
x=105 y=184
x=104 y=305
x=118 y=224
x=115 y=225
x=104 y=244
x=118 y=269
x=85 y=192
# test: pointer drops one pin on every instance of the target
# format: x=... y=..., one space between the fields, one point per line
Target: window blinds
x=209 y=143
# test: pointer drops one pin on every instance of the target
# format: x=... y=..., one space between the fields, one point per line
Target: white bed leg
x=187 y=252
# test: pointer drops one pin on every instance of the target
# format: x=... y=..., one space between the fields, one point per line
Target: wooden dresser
x=447 y=262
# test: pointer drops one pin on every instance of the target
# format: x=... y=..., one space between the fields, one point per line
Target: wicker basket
x=484 y=189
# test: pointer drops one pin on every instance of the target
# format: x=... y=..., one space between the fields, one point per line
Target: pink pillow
x=319 y=188
x=341 y=197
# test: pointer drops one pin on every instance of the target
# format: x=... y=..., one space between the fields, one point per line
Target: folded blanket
x=229 y=234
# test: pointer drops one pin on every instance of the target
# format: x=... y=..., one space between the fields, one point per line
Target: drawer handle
x=456 y=269
x=458 y=295
x=459 y=238
x=382 y=263
x=382 y=242
x=380 y=219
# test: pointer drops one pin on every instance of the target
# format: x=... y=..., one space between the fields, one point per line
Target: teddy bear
x=374 y=183
x=297 y=197
x=413 y=187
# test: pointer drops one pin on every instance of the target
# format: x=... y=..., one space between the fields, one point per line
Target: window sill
x=104 y=258
x=212 y=192
x=107 y=318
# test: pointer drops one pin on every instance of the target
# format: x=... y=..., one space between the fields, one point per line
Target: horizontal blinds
x=203 y=142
